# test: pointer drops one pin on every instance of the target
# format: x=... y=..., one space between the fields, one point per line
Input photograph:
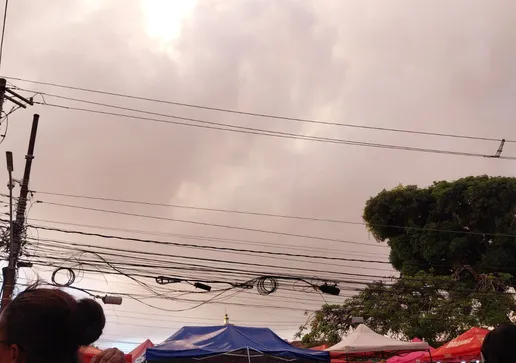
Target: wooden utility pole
x=10 y=271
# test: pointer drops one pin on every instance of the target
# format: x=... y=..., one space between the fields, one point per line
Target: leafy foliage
x=454 y=247
x=434 y=308
x=448 y=225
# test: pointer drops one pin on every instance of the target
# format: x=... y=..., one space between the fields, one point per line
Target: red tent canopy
x=465 y=347
x=139 y=351
x=87 y=353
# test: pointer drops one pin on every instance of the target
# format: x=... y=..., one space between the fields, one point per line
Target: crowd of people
x=43 y=325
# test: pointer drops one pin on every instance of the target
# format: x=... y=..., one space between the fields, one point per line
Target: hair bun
x=91 y=321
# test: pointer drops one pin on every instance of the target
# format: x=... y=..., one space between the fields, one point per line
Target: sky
x=433 y=66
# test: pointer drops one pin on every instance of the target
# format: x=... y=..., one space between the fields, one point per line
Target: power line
x=207 y=238
x=182 y=206
x=206 y=247
x=119 y=252
x=206 y=268
x=278 y=134
x=3 y=30
x=203 y=270
x=266 y=132
x=246 y=113
x=225 y=248
x=284 y=216
x=190 y=300
x=186 y=221
x=271 y=306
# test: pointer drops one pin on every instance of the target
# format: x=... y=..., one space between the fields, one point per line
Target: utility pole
x=14 y=97
x=3 y=86
x=18 y=226
x=10 y=169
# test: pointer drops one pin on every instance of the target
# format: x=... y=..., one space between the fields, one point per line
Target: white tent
x=364 y=340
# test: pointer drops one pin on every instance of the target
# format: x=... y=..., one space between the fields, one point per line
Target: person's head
x=48 y=326
x=498 y=345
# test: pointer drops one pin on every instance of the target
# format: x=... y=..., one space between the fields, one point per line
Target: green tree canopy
x=455 y=247
x=471 y=221
x=436 y=309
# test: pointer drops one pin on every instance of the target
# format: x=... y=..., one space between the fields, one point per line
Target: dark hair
x=498 y=345
x=50 y=325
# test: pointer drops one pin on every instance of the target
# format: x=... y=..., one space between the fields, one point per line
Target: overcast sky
x=437 y=66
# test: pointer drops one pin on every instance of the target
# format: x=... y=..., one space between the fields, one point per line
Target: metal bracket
x=498 y=152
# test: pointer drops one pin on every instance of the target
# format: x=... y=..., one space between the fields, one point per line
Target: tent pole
x=248 y=355
x=430 y=354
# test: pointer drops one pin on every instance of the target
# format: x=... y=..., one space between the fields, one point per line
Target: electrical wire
x=3 y=30
x=283 y=259
x=236 y=262
x=138 y=254
x=246 y=113
x=182 y=206
x=215 y=248
x=203 y=124
x=271 y=280
x=215 y=303
x=71 y=276
x=263 y=281
x=186 y=221
x=5 y=119
x=208 y=238
x=264 y=306
x=315 y=219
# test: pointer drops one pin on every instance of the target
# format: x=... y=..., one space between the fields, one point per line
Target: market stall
x=230 y=343
x=465 y=347
x=138 y=353
x=364 y=343
x=411 y=357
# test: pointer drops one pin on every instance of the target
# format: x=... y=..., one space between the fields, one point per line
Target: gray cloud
x=437 y=66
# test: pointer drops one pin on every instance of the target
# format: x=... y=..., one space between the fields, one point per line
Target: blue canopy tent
x=230 y=344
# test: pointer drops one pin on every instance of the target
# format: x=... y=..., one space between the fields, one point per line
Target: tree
x=454 y=244
x=471 y=221
x=436 y=309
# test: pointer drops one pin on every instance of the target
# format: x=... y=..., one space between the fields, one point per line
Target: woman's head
x=48 y=325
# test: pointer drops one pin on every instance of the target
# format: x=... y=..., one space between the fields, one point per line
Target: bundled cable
x=71 y=276
x=266 y=285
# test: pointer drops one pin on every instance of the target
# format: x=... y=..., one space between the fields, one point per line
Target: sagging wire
x=106 y=299
x=265 y=285
x=186 y=309
x=157 y=294
x=310 y=283
x=140 y=300
x=4 y=119
x=141 y=283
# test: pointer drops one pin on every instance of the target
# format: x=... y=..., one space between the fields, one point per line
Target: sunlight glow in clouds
x=164 y=18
